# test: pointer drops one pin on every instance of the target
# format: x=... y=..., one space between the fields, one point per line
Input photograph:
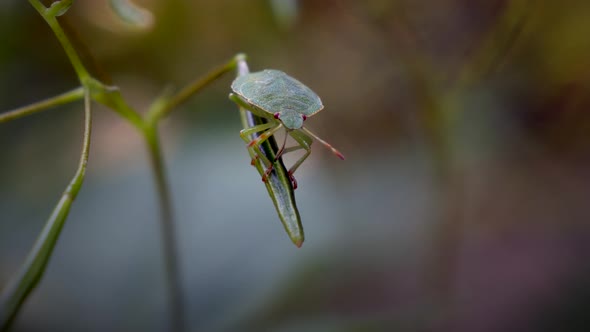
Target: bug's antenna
x=326 y=144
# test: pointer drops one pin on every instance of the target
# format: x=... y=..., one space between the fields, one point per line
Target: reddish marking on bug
x=259 y=139
x=304 y=117
x=293 y=181
x=277 y=115
x=267 y=173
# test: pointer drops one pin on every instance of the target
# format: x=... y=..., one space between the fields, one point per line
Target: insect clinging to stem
x=285 y=103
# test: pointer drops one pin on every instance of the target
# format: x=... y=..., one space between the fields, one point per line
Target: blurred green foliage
x=462 y=205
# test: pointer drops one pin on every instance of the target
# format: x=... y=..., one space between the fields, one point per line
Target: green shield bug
x=284 y=102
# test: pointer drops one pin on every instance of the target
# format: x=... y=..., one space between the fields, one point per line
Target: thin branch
x=162 y=107
x=64 y=98
x=159 y=109
x=50 y=18
x=168 y=233
x=17 y=290
x=99 y=91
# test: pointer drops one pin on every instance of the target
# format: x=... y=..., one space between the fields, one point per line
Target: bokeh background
x=463 y=203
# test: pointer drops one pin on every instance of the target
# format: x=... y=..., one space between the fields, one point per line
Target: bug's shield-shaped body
x=273 y=91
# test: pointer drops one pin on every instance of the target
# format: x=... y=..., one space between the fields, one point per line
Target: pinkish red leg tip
x=293 y=180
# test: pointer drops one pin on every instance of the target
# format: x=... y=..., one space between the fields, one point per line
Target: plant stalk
x=162 y=107
x=167 y=231
x=64 y=98
x=19 y=287
x=51 y=19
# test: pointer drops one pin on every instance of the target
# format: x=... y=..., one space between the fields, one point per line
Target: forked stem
x=17 y=291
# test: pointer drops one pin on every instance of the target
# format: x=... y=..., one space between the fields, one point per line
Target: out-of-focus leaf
x=285 y=11
x=132 y=14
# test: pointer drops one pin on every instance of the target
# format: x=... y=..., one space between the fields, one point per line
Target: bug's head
x=290 y=119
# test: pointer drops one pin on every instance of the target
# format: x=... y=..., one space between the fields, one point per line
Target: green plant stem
x=17 y=290
x=112 y=98
x=164 y=106
x=64 y=98
x=109 y=96
x=168 y=232
x=159 y=109
x=49 y=16
x=14 y=295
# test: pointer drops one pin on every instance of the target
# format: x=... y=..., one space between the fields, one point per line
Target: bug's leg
x=304 y=142
x=255 y=144
x=300 y=161
x=264 y=136
x=278 y=155
x=282 y=150
x=290 y=173
x=245 y=135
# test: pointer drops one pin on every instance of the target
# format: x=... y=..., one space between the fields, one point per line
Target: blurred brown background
x=462 y=205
